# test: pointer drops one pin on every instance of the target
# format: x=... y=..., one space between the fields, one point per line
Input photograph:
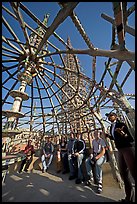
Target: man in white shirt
x=98 y=158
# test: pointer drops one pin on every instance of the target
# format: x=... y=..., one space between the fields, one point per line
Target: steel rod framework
x=43 y=83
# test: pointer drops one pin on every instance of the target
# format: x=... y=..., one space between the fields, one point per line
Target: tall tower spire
x=71 y=76
x=68 y=42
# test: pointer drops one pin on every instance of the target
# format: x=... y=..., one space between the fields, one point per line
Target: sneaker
x=64 y=172
x=19 y=172
x=83 y=180
x=99 y=191
x=58 y=171
x=25 y=171
x=72 y=177
x=43 y=170
x=89 y=182
x=123 y=201
x=99 y=188
x=78 y=181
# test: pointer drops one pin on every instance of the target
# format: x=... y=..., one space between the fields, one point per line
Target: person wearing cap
x=29 y=151
x=126 y=153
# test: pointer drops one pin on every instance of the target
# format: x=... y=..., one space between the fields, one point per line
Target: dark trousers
x=64 y=158
x=75 y=164
x=25 y=162
x=126 y=160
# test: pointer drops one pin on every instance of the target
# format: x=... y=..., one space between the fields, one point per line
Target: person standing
x=47 y=154
x=126 y=153
x=29 y=151
x=96 y=159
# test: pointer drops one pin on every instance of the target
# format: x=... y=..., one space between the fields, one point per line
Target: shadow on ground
x=48 y=187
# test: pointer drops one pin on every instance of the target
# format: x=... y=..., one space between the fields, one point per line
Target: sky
x=98 y=30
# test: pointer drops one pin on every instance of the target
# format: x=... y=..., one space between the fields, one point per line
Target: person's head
x=71 y=135
x=63 y=139
x=96 y=134
x=111 y=116
x=78 y=136
x=48 y=139
x=29 y=142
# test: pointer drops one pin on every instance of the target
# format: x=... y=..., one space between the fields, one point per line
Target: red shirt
x=29 y=149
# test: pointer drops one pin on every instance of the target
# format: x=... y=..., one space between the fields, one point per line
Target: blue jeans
x=43 y=159
x=79 y=163
x=72 y=160
x=98 y=168
x=71 y=165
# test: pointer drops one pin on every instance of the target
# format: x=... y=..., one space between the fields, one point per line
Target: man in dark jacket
x=79 y=148
x=126 y=153
x=70 y=152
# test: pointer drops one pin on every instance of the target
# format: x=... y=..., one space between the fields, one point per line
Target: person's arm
x=109 y=136
x=52 y=148
x=59 y=147
x=69 y=147
x=74 y=149
x=101 y=153
x=27 y=149
x=43 y=149
x=32 y=150
x=82 y=150
x=65 y=148
x=123 y=130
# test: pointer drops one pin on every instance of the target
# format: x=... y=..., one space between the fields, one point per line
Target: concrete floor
x=52 y=187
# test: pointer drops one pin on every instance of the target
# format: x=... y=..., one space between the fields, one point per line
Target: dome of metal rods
x=44 y=86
